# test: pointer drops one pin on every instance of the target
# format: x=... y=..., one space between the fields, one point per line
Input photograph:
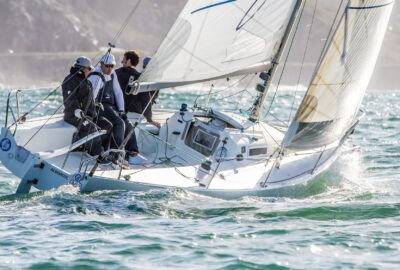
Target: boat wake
x=344 y=183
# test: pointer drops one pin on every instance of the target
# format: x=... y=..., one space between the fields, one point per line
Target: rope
x=57 y=109
x=125 y=23
x=222 y=90
x=276 y=142
x=241 y=97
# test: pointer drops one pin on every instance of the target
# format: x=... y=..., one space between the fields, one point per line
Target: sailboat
x=225 y=154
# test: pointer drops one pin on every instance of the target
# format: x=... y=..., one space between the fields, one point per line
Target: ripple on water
x=240 y=264
x=346 y=218
x=343 y=212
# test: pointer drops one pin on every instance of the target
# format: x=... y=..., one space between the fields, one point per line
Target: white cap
x=108 y=59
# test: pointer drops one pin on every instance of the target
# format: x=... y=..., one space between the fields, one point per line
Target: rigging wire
x=269 y=134
x=209 y=94
x=328 y=37
x=286 y=60
x=55 y=89
x=241 y=96
x=223 y=89
x=122 y=28
x=240 y=92
x=57 y=109
x=279 y=120
x=125 y=23
x=324 y=51
x=302 y=61
x=325 y=48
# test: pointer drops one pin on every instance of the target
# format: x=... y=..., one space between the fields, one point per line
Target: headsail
x=215 y=39
x=334 y=96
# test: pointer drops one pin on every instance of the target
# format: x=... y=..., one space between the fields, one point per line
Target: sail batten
x=215 y=39
x=335 y=94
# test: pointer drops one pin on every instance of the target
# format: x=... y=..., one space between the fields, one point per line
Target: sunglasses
x=109 y=66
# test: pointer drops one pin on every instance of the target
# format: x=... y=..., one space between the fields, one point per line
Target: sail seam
x=371 y=7
x=213 y=5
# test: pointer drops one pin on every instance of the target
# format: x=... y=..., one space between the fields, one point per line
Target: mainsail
x=215 y=39
x=329 y=107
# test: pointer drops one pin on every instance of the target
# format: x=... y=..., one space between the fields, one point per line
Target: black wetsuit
x=78 y=94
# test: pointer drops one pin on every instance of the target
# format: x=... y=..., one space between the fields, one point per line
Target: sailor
x=142 y=102
x=79 y=107
x=125 y=73
x=108 y=92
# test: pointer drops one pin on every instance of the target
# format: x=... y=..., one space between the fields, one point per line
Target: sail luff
x=332 y=101
x=333 y=29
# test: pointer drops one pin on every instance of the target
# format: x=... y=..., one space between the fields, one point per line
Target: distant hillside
x=41 y=38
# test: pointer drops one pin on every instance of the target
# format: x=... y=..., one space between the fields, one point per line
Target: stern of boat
x=29 y=167
x=14 y=157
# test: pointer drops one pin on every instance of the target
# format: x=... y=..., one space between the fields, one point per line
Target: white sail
x=333 y=99
x=215 y=39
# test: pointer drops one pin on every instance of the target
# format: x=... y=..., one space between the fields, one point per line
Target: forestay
x=334 y=96
x=217 y=39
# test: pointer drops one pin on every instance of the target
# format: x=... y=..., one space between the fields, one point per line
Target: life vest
x=106 y=94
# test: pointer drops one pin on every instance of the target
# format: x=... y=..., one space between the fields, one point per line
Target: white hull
x=211 y=152
x=261 y=175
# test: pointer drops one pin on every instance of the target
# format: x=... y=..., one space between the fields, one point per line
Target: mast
x=256 y=111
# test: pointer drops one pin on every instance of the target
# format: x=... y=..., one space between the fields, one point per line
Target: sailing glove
x=123 y=115
x=78 y=113
x=99 y=106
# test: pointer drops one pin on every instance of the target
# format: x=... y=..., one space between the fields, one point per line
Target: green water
x=347 y=218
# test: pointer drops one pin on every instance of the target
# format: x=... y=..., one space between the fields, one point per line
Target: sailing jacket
x=77 y=94
x=135 y=103
x=98 y=84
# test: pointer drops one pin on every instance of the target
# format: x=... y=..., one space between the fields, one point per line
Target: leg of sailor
x=118 y=124
x=85 y=128
x=106 y=125
x=131 y=146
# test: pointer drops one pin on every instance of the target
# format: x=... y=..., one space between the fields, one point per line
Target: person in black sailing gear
x=108 y=92
x=135 y=103
x=79 y=107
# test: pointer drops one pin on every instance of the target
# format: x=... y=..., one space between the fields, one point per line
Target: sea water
x=347 y=218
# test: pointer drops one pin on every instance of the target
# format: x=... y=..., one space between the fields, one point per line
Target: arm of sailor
x=70 y=90
x=97 y=84
x=118 y=94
